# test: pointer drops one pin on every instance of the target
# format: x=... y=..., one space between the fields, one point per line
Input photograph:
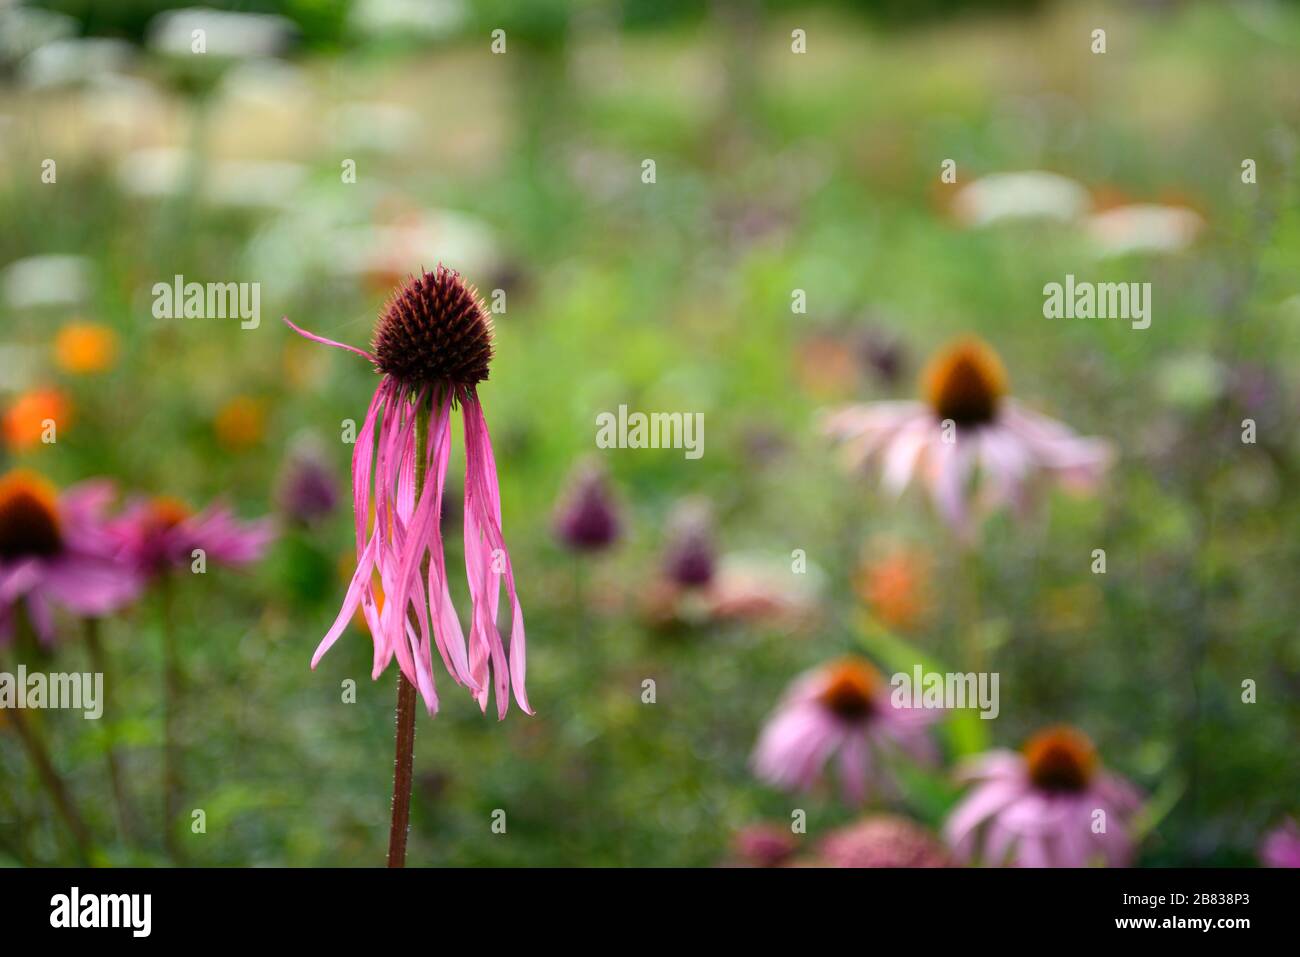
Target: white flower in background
x=47 y=281
x=24 y=29
x=1144 y=228
x=1011 y=197
x=121 y=111
x=253 y=184
x=19 y=366
x=152 y=172
x=375 y=126
x=404 y=19
x=233 y=36
x=74 y=61
x=390 y=251
x=321 y=239
x=230 y=184
x=274 y=85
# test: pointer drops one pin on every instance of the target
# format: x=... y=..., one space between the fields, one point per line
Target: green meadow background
x=775 y=171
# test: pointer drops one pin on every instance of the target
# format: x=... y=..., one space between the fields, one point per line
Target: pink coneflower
x=967 y=421
x=155 y=537
x=159 y=534
x=55 y=551
x=843 y=710
x=1040 y=808
x=1281 y=846
x=432 y=346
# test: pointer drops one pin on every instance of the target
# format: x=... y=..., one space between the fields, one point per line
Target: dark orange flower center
x=1060 y=759
x=850 y=689
x=965 y=382
x=29 y=517
x=166 y=512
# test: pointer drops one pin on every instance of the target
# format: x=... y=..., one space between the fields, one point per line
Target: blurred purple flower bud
x=882 y=355
x=691 y=556
x=309 y=491
x=586 y=519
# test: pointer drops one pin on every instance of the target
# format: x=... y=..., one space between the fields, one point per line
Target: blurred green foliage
x=774 y=172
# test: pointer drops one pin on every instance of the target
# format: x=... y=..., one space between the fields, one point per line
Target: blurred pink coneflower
x=764 y=845
x=55 y=550
x=432 y=346
x=1050 y=806
x=843 y=709
x=967 y=421
x=1281 y=846
x=884 y=840
x=159 y=534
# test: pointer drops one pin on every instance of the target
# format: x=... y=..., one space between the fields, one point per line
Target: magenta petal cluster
x=1049 y=807
x=57 y=551
x=159 y=534
x=431 y=352
x=842 y=711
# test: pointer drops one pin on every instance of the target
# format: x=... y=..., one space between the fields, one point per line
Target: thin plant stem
x=403 y=764
x=971 y=628
x=580 y=615
x=49 y=776
x=404 y=729
x=98 y=661
x=171 y=704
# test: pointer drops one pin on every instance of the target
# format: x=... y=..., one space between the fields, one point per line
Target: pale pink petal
x=982 y=803
x=489 y=486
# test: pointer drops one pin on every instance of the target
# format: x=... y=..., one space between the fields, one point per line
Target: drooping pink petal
x=360 y=581
x=447 y=630
x=483 y=561
x=492 y=498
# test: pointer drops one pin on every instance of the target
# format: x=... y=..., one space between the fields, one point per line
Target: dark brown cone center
x=434 y=330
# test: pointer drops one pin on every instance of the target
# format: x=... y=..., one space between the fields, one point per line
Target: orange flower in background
x=826 y=367
x=84 y=348
x=31 y=414
x=895 y=587
x=241 y=423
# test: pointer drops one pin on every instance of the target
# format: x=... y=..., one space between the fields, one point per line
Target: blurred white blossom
x=1144 y=228
x=1006 y=197
x=57 y=280
x=225 y=35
